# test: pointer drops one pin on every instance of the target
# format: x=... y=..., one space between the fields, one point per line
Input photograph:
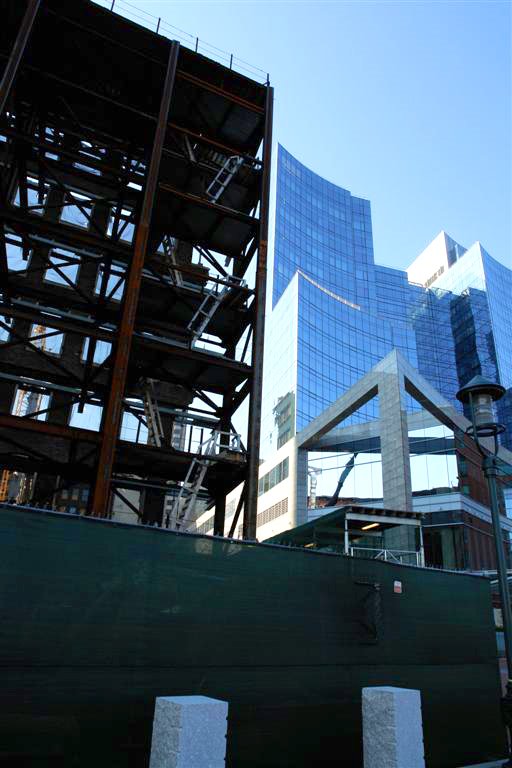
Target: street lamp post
x=480 y=394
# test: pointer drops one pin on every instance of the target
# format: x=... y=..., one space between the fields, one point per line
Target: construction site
x=135 y=184
x=134 y=213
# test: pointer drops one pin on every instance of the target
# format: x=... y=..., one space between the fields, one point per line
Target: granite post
x=189 y=732
x=392 y=728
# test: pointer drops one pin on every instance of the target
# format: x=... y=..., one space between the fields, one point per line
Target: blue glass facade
x=481 y=323
x=324 y=231
x=336 y=313
x=337 y=345
x=430 y=314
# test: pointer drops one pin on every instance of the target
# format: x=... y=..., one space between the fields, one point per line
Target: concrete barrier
x=189 y=732
x=392 y=728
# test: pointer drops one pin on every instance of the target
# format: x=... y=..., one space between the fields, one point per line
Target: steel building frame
x=110 y=242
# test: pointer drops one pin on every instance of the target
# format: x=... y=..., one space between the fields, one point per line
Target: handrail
x=393 y=555
x=161 y=27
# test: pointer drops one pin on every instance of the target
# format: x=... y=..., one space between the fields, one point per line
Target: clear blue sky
x=405 y=103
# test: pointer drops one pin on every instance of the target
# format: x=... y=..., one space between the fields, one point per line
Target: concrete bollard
x=189 y=732
x=392 y=728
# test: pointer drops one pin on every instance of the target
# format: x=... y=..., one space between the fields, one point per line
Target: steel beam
x=254 y=429
x=127 y=502
x=18 y=423
x=4 y=267
x=204 y=85
x=18 y=49
x=63 y=234
x=244 y=218
x=205 y=139
x=234 y=523
x=112 y=420
x=220 y=513
x=50 y=144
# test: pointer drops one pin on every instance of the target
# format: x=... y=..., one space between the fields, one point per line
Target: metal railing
x=192 y=438
x=161 y=27
x=219 y=441
x=400 y=556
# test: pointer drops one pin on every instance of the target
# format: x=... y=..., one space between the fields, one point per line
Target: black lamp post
x=480 y=394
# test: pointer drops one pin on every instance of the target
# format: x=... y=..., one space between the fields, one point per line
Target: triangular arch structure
x=401 y=391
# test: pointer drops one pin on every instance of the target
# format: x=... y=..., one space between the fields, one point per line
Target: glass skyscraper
x=335 y=313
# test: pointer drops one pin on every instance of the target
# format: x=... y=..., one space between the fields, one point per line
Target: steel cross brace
x=113 y=411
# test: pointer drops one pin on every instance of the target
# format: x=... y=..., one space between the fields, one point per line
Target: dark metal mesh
x=98 y=619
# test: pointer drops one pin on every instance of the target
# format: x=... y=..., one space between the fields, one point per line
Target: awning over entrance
x=361 y=532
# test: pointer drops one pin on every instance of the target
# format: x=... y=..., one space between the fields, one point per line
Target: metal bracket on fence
x=371 y=618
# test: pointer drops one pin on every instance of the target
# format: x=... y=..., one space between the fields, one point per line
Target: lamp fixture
x=480 y=394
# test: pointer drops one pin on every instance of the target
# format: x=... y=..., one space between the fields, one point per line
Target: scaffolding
x=131 y=211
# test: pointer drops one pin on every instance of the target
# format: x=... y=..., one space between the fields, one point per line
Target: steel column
x=232 y=530
x=113 y=412
x=220 y=513
x=17 y=51
x=254 y=429
x=220 y=493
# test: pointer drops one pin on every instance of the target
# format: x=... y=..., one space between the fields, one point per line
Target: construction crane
x=346 y=472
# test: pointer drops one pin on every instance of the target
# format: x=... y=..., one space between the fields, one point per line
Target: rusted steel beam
x=254 y=428
x=18 y=49
x=221 y=92
x=203 y=138
x=20 y=424
x=108 y=38
x=113 y=411
x=63 y=234
x=47 y=356
x=73 y=155
x=62 y=324
x=203 y=358
x=95 y=94
x=184 y=75
x=217 y=207
x=4 y=266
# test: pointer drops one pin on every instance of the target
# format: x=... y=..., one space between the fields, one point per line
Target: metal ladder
x=223 y=177
x=152 y=414
x=169 y=245
x=185 y=501
x=210 y=304
x=206 y=311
